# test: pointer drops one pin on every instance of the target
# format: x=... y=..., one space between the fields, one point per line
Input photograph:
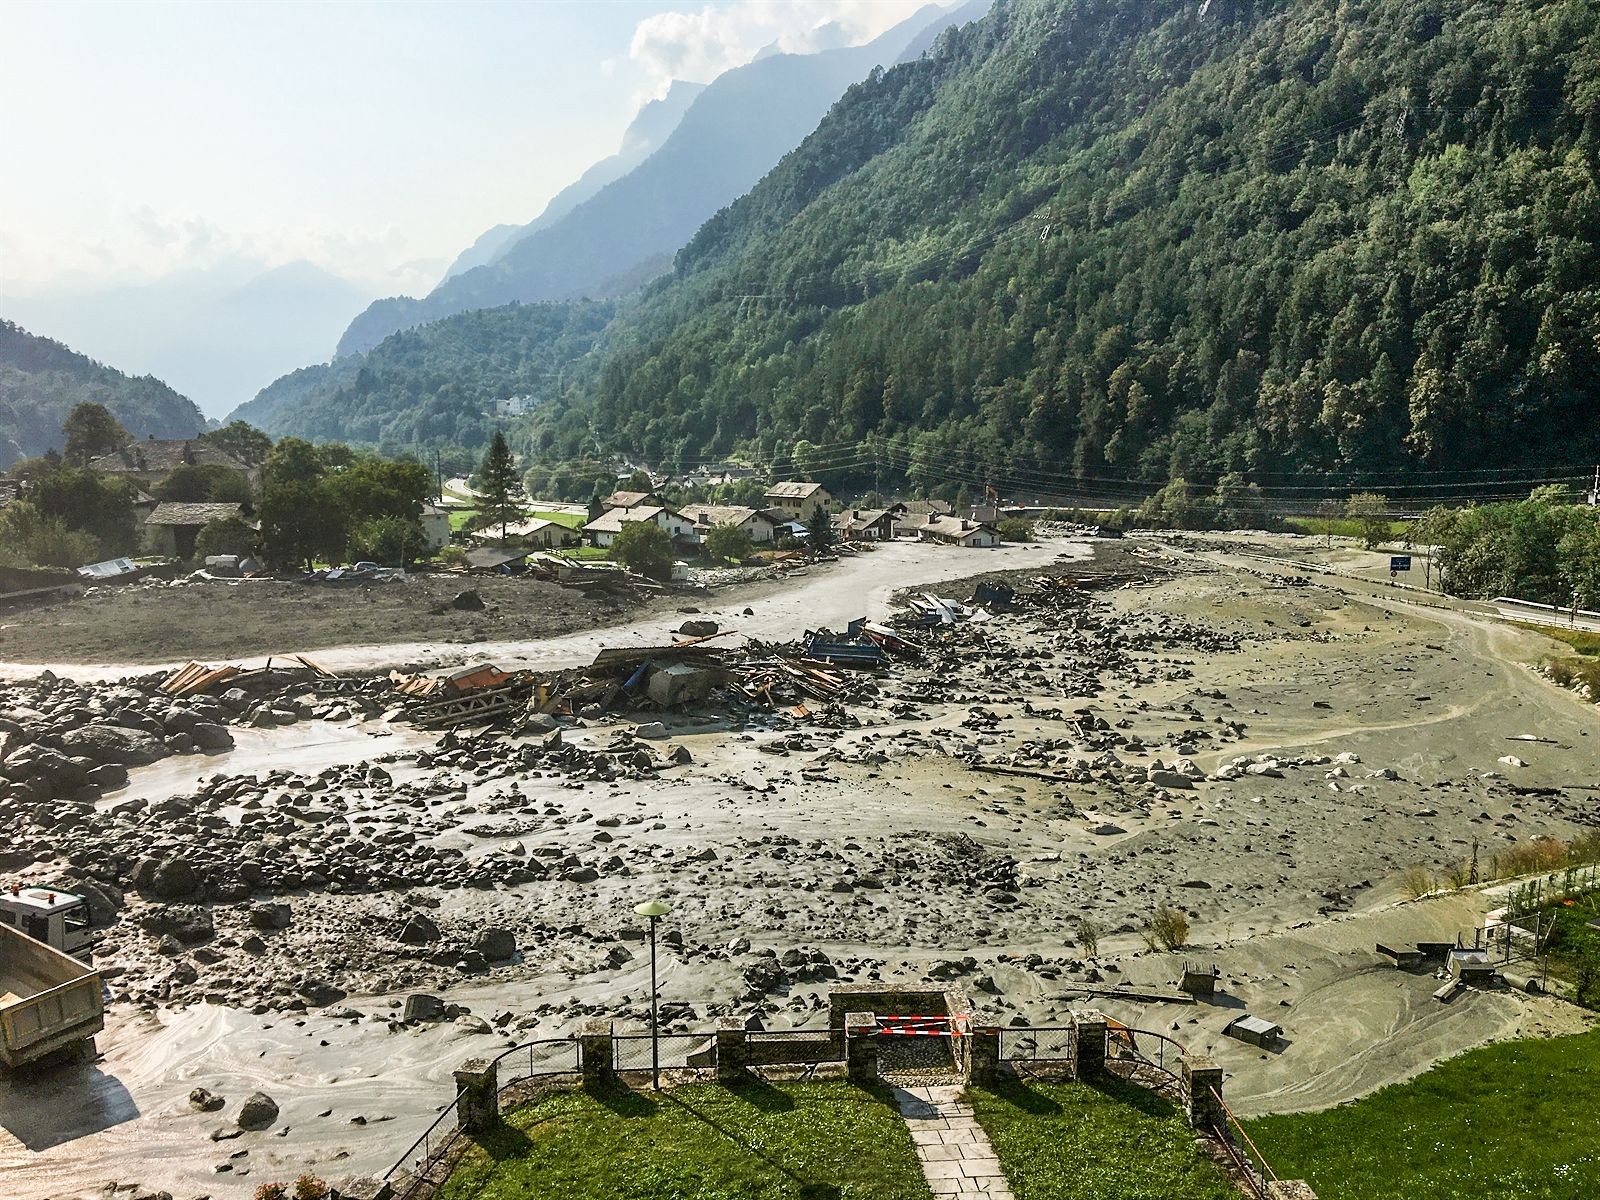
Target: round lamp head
x=653 y=908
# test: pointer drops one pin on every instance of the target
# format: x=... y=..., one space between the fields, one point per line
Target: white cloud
x=701 y=44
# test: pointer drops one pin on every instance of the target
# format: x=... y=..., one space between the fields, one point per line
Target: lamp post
x=655 y=910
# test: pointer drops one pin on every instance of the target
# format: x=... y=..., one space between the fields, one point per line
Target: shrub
x=272 y=1191
x=391 y=541
x=453 y=555
x=1016 y=529
x=28 y=538
x=1089 y=937
x=229 y=535
x=644 y=546
x=728 y=543
x=309 y=1187
x=1417 y=882
x=1168 y=928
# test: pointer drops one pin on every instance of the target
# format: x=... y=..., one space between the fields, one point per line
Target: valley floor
x=878 y=842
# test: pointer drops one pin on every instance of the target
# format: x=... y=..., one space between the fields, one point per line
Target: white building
x=603 y=530
x=958 y=531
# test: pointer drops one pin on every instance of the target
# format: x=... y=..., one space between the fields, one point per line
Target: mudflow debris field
x=344 y=905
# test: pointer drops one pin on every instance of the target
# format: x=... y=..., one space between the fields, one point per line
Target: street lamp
x=655 y=910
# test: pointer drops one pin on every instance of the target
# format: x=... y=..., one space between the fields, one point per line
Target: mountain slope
x=733 y=132
x=41 y=381
x=435 y=385
x=1103 y=242
x=217 y=335
x=652 y=126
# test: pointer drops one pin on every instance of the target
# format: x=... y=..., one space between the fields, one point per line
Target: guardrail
x=1257 y=1174
x=1123 y=1042
x=436 y=1139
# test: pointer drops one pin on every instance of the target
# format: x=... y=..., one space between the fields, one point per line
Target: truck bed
x=48 y=1000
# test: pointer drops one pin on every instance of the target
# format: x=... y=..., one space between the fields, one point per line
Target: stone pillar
x=477 y=1095
x=985 y=1055
x=731 y=1059
x=1089 y=1036
x=1290 y=1189
x=861 y=1047
x=1202 y=1089
x=594 y=1052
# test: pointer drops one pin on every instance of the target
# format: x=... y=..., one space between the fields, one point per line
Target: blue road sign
x=1399 y=562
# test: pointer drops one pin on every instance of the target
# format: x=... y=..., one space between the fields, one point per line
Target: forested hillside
x=1122 y=240
x=732 y=133
x=431 y=387
x=41 y=380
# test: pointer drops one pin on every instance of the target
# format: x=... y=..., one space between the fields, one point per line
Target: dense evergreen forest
x=1141 y=239
x=41 y=381
x=433 y=386
x=1082 y=247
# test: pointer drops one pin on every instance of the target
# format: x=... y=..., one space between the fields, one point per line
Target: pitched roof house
x=172 y=528
x=154 y=459
x=603 y=530
x=865 y=525
x=758 y=524
x=958 y=531
x=629 y=500
x=798 y=500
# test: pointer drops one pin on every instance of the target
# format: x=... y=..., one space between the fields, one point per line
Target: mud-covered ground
x=1191 y=727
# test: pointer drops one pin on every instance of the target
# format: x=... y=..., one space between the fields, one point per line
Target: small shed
x=1472 y=967
x=1256 y=1030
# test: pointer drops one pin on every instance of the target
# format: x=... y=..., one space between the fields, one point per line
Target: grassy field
x=1341 y=527
x=1581 y=640
x=792 y=1141
x=1514 y=1121
x=1073 y=1141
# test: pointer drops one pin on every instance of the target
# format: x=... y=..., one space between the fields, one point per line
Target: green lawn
x=1513 y=1121
x=759 y=1141
x=1341 y=527
x=1074 y=1141
x=1580 y=640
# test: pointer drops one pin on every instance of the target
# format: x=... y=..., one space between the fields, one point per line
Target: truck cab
x=58 y=919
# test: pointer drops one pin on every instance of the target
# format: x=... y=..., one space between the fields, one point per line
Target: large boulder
x=173 y=879
x=114 y=744
x=258 y=1111
x=419 y=930
x=270 y=916
x=211 y=737
x=495 y=944
x=422 y=1007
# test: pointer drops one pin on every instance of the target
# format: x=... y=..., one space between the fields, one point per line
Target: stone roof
x=707 y=515
x=185 y=513
x=159 y=457
x=792 y=490
x=626 y=499
x=954 y=527
x=612 y=520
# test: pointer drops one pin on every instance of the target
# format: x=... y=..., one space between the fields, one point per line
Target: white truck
x=49 y=999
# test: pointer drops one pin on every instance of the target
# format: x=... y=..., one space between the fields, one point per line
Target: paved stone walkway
x=954 y=1151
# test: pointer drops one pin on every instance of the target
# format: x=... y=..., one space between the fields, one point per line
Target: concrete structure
x=1201 y=1080
x=1255 y=1030
x=957 y=531
x=595 y=1050
x=797 y=500
x=174 y=525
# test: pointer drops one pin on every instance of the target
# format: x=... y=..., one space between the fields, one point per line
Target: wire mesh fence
x=631 y=1051
x=1039 y=1044
x=549 y=1056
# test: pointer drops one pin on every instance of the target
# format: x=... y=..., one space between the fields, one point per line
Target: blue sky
x=374 y=140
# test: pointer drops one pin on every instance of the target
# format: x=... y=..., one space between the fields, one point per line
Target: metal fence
x=1038 y=1044
x=631 y=1051
x=412 y=1170
x=1251 y=1164
x=549 y=1056
x=1145 y=1048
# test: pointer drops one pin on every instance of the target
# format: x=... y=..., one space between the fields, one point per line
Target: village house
x=627 y=500
x=915 y=512
x=172 y=528
x=603 y=530
x=759 y=525
x=864 y=525
x=537 y=533
x=435 y=523
x=798 y=501
x=152 y=460
x=958 y=531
